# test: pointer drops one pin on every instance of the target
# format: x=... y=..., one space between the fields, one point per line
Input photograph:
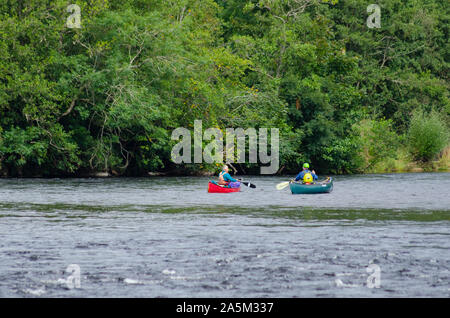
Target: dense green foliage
x=427 y=135
x=106 y=96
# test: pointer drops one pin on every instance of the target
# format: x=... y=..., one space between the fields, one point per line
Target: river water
x=373 y=236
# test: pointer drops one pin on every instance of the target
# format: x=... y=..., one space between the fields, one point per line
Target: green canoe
x=318 y=187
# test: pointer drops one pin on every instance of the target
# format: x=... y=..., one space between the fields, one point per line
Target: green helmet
x=306 y=165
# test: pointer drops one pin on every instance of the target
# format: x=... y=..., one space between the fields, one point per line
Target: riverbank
x=404 y=163
x=106 y=175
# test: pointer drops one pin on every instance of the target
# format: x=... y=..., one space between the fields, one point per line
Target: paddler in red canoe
x=225 y=179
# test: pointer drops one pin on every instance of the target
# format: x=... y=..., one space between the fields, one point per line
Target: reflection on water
x=167 y=237
x=301 y=213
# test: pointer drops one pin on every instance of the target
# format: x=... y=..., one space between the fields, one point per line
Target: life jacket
x=221 y=179
x=308 y=178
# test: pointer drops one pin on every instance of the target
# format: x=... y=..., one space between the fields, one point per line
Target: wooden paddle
x=282 y=185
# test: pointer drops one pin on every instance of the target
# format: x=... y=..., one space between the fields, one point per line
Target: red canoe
x=214 y=188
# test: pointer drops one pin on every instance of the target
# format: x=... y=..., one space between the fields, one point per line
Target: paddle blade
x=282 y=185
x=248 y=184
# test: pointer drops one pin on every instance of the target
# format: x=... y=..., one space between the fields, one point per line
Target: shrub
x=342 y=156
x=427 y=135
x=379 y=142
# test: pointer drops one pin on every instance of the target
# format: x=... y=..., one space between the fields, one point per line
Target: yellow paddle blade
x=282 y=185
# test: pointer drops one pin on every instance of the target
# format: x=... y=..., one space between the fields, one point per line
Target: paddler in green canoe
x=225 y=179
x=306 y=176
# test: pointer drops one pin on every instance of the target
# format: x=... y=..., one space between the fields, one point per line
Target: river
x=384 y=235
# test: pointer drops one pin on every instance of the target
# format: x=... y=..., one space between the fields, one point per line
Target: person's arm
x=228 y=178
x=313 y=173
x=299 y=176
